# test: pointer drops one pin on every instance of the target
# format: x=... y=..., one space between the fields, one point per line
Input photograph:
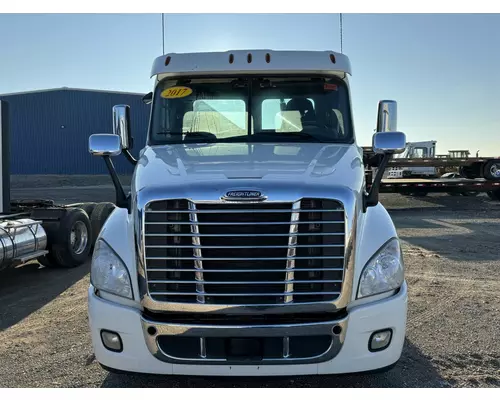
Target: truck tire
x=491 y=170
x=469 y=194
x=88 y=207
x=99 y=216
x=69 y=240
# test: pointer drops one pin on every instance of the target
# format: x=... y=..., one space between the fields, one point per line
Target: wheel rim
x=79 y=237
x=495 y=171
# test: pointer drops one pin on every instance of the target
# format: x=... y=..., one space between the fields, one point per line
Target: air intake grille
x=244 y=253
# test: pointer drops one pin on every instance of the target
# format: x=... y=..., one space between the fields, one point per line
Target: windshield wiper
x=191 y=137
x=169 y=133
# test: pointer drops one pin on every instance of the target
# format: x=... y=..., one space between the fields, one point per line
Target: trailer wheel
x=99 y=216
x=70 y=240
x=491 y=170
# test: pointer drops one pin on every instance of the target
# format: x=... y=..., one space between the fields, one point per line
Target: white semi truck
x=425 y=149
x=249 y=243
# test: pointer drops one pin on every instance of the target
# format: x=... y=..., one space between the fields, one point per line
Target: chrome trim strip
x=245 y=234
x=240 y=270
x=277 y=211
x=239 y=294
x=247 y=223
x=246 y=258
x=197 y=257
x=246 y=282
x=291 y=254
x=203 y=348
x=286 y=347
x=298 y=246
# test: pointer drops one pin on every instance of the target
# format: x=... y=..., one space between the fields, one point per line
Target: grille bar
x=238 y=294
x=246 y=282
x=291 y=258
x=242 y=247
x=247 y=223
x=244 y=235
x=241 y=270
x=243 y=211
x=244 y=254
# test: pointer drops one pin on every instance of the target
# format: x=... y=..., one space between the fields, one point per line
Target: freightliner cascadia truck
x=249 y=243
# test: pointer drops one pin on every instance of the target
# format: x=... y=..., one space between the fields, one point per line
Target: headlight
x=108 y=273
x=384 y=271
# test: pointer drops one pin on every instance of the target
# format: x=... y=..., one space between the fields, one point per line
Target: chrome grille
x=244 y=253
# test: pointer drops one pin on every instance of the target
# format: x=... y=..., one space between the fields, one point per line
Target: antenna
x=341 y=36
x=163 y=32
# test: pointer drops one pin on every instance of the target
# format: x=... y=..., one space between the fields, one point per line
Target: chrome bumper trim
x=286 y=331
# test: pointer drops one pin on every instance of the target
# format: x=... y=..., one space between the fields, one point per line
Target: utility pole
x=341 y=33
x=163 y=32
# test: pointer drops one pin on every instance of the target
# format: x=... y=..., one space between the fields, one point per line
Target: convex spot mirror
x=104 y=144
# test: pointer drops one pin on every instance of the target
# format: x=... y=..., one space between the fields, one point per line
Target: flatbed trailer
x=478 y=174
x=437 y=185
x=373 y=160
x=440 y=162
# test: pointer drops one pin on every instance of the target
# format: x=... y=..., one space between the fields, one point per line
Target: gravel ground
x=451 y=253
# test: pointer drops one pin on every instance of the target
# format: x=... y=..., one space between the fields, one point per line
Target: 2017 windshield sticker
x=176 y=92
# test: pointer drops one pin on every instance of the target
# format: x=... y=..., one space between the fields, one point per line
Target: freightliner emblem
x=243 y=195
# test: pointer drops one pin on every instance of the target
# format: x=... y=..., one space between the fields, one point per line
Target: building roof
x=70 y=89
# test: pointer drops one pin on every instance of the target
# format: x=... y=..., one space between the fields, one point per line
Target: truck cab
x=249 y=243
x=415 y=150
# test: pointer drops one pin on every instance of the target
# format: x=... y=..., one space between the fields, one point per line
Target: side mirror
x=104 y=144
x=387 y=139
x=121 y=125
x=387 y=116
x=389 y=142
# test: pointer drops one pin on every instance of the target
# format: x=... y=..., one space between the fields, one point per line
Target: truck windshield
x=282 y=109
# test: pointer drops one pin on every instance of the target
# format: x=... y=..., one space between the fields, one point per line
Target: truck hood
x=238 y=163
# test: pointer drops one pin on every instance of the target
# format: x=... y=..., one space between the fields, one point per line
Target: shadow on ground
x=438 y=202
x=413 y=370
x=468 y=236
x=26 y=289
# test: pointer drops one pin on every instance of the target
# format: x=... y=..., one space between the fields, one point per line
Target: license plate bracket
x=244 y=348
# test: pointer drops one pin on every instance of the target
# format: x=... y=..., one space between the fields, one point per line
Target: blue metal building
x=50 y=129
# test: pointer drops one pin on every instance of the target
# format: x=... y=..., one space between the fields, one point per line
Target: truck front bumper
x=349 y=352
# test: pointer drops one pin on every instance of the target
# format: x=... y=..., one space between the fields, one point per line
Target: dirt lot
x=451 y=253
